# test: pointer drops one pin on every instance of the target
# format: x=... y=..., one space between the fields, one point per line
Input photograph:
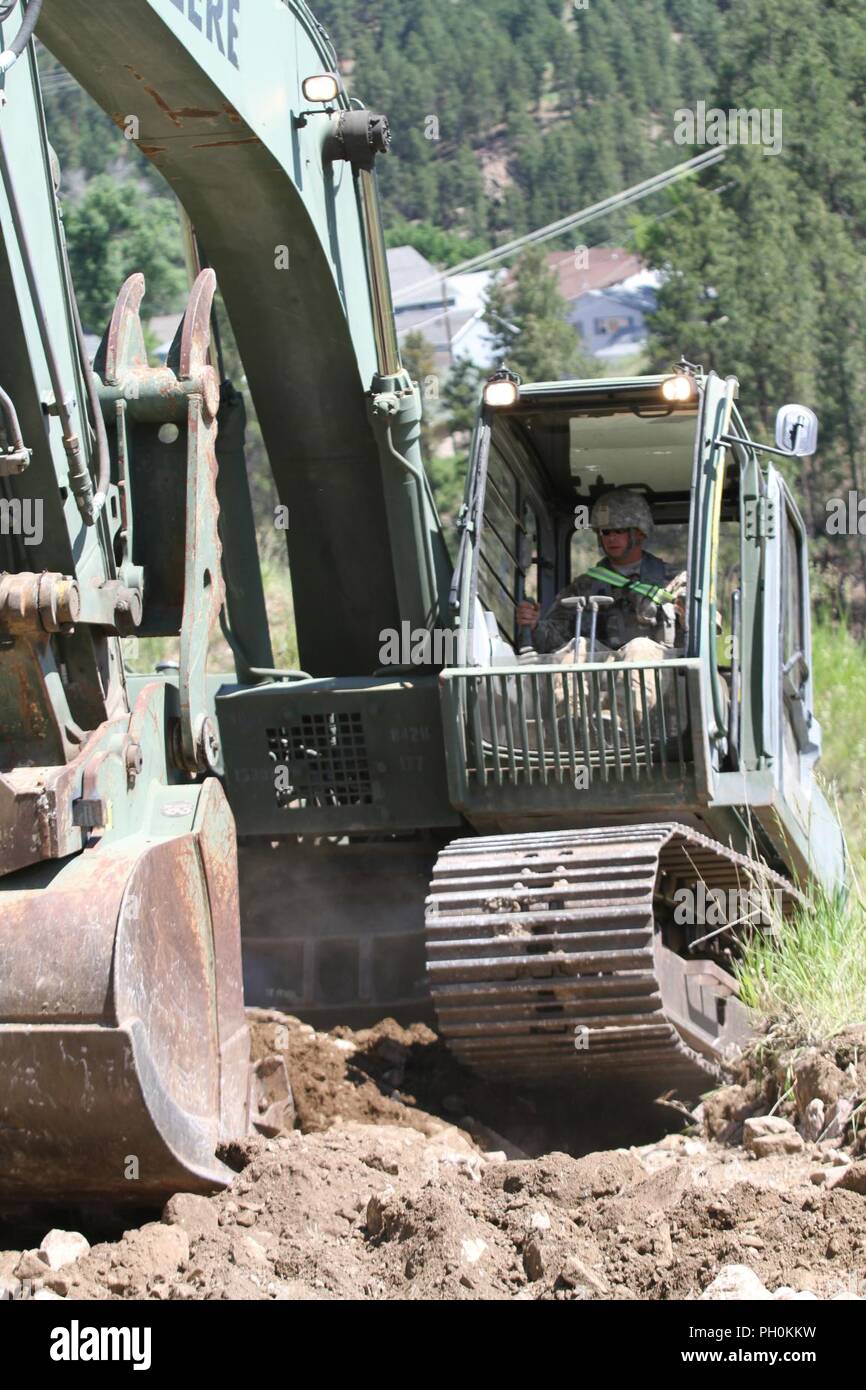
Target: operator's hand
x=528 y=614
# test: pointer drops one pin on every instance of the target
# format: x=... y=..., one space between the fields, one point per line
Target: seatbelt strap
x=618 y=581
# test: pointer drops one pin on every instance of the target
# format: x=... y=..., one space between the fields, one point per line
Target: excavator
x=502 y=841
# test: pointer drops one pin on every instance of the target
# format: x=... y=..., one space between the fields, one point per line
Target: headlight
x=679 y=388
x=325 y=86
x=503 y=389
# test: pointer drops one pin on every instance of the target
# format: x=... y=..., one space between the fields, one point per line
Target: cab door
x=797 y=735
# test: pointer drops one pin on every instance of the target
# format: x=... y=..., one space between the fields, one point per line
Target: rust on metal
x=222 y=144
x=125 y=346
x=177 y=115
x=37 y=604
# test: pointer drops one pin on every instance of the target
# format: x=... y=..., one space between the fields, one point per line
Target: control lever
x=596 y=601
x=578 y=603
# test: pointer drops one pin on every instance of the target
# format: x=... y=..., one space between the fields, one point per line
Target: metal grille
x=324 y=759
x=577 y=725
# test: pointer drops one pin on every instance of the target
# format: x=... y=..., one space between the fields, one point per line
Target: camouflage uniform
x=634 y=628
x=631 y=615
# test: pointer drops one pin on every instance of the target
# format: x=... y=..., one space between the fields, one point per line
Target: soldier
x=645 y=621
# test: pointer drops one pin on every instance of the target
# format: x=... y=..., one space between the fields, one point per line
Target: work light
x=502 y=389
x=324 y=86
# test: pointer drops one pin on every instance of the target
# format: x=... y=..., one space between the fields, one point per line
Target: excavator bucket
x=124 y=1051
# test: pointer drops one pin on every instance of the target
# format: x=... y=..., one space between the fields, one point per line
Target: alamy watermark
x=22 y=518
x=846 y=516
x=719 y=907
x=417 y=646
x=755 y=126
x=77 y=1343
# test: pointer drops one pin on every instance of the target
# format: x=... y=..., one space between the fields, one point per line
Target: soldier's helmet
x=622 y=510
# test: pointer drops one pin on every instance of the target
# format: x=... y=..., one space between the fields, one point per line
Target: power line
x=574 y=219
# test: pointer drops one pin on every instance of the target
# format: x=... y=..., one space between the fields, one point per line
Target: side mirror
x=797 y=430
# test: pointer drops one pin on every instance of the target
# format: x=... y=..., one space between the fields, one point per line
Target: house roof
x=407 y=269
x=606 y=265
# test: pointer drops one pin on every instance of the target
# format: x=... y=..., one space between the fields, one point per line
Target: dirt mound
x=372 y=1196
x=387 y=1212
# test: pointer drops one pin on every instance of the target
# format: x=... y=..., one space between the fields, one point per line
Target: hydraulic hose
x=256 y=673
x=10 y=415
x=24 y=35
x=103 y=453
x=80 y=481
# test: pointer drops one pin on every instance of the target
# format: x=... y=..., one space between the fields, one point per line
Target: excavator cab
x=560 y=734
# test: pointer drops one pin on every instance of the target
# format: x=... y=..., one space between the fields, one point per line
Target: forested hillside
x=508 y=115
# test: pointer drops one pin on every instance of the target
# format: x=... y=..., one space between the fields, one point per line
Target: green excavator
x=177 y=843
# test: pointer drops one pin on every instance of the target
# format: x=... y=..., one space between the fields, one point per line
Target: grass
x=839 y=662
x=807 y=979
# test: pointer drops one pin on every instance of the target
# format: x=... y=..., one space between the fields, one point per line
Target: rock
x=59 y=1281
x=251 y=1248
x=813 y=1120
x=274 y=1104
x=32 y=1265
x=853 y=1178
x=735 y=1282
x=770 y=1134
x=772 y=1144
x=10 y=1287
x=152 y=1249
x=468 y=1164
x=196 y=1215
x=44 y=1294
x=816 y=1077
x=757 y=1126
x=786 y=1295
x=472 y=1250
x=575 y=1272
x=380 y=1212
x=8 y=1261
x=724 y=1110
x=837 y=1119
x=64 y=1248
x=533 y=1262
x=539 y=1221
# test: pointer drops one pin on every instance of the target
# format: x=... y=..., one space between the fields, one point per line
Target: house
x=610 y=294
x=447 y=310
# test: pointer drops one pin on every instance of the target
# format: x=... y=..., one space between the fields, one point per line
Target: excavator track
x=546 y=963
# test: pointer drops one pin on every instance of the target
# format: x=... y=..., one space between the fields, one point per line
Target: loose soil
x=403 y=1178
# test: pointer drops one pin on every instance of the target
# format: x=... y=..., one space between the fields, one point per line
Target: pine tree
x=527 y=318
